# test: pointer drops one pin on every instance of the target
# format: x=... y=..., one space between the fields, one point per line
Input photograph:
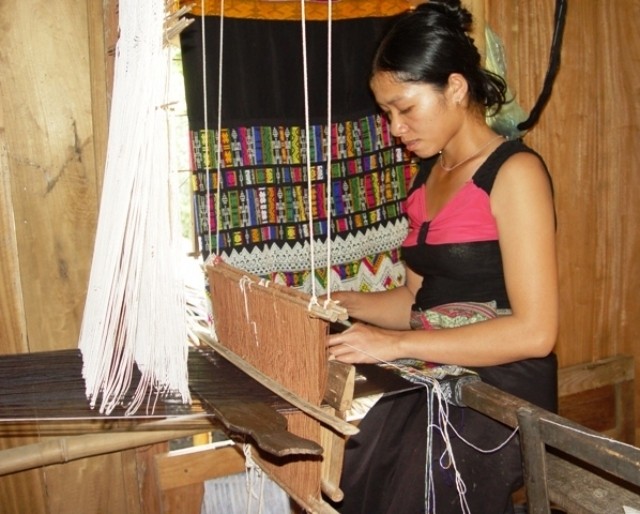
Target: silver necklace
x=474 y=154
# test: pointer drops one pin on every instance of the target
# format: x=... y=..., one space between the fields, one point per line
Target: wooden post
x=533 y=456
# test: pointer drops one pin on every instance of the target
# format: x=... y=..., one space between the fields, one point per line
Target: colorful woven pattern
x=261 y=220
x=255 y=214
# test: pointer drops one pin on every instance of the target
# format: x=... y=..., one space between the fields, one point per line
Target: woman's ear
x=457 y=88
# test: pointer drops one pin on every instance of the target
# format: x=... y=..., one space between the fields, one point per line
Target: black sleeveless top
x=465 y=272
x=461 y=272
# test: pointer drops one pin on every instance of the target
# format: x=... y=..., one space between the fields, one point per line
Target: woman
x=482 y=232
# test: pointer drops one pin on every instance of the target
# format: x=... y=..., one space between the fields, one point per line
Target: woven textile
x=260 y=222
x=291 y=10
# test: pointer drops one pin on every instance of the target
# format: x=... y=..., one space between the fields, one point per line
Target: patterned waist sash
x=455 y=314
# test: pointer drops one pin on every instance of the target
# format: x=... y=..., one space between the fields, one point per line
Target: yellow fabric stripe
x=290 y=9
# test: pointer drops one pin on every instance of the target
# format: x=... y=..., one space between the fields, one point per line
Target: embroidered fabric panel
x=262 y=220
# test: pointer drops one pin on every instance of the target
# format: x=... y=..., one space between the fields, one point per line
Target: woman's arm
x=522 y=203
x=386 y=309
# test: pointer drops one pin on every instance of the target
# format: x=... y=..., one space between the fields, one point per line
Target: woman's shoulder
x=510 y=155
x=523 y=161
x=523 y=178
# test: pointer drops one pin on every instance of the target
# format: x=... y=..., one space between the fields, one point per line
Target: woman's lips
x=410 y=145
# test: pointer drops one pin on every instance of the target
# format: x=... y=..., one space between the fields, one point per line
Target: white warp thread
x=135 y=312
x=442 y=424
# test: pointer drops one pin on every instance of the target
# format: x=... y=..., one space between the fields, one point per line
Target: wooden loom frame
x=173 y=482
x=271 y=330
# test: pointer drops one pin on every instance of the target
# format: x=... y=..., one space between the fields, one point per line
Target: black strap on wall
x=554 y=64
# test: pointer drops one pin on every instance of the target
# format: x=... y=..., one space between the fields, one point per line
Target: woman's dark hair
x=432 y=41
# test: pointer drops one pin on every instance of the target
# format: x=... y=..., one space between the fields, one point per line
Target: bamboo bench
x=596 y=406
x=574 y=468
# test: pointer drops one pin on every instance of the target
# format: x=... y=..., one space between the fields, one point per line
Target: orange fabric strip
x=290 y=9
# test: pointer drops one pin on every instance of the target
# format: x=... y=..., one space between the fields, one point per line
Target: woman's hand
x=362 y=343
x=389 y=309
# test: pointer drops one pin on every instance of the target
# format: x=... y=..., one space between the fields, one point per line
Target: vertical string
x=329 y=142
x=305 y=80
x=205 y=107
x=219 y=128
x=207 y=146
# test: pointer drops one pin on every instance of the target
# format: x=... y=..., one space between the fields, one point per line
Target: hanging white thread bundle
x=135 y=311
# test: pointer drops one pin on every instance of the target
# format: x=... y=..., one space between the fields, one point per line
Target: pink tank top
x=465 y=218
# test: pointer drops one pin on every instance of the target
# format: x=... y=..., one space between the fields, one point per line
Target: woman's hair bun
x=451 y=10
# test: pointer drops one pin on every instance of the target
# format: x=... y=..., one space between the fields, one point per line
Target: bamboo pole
x=70 y=448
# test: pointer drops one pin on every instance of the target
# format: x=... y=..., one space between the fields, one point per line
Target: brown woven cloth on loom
x=49 y=386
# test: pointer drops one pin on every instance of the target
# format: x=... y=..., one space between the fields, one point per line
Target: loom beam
x=339 y=392
x=266 y=426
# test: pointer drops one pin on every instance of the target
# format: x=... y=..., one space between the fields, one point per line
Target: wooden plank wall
x=53 y=125
x=50 y=175
x=53 y=134
x=589 y=136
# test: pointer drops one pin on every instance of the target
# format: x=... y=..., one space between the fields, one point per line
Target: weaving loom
x=65 y=402
x=272 y=330
x=49 y=389
x=371 y=171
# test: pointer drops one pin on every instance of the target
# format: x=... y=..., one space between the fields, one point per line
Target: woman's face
x=419 y=114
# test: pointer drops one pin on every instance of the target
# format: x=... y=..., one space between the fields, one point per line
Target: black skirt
x=385 y=463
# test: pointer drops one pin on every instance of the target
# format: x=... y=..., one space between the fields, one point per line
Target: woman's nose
x=397 y=127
